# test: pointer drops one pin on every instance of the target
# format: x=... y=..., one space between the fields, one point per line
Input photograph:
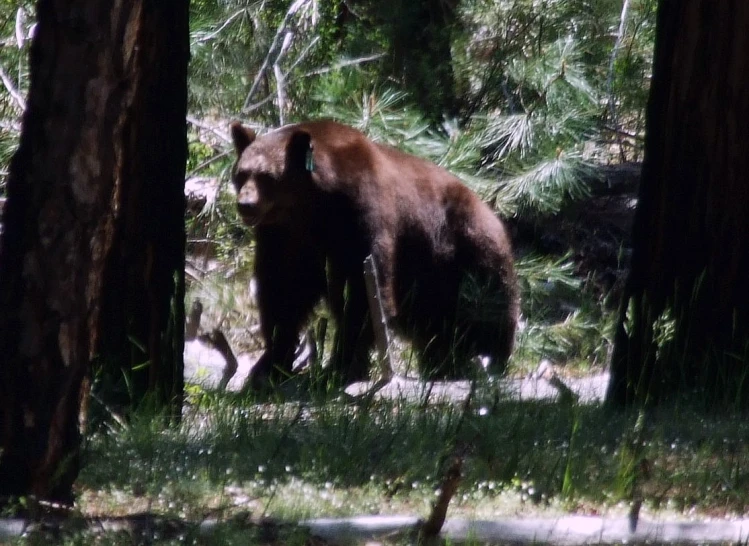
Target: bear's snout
x=249 y=204
x=248 y=195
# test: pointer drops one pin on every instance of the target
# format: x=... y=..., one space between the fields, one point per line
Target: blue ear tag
x=309 y=160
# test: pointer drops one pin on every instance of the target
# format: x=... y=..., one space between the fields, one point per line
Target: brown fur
x=425 y=229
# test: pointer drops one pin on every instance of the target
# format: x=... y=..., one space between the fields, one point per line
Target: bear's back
x=373 y=175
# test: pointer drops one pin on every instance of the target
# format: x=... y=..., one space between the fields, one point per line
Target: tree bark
x=140 y=350
x=431 y=79
x=80 y=174
x=421 y=50
x=684 y=325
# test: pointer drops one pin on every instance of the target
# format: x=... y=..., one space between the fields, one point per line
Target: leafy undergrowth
x=232 y=457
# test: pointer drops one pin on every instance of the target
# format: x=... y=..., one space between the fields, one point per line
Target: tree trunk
x=422 y=52
x=684 y=326
x=141 y=346
x=81 y=172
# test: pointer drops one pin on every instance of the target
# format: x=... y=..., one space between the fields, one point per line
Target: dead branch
x=379 y=321
x=258 y=104
x=273 y=50
x=381 y=333
x=286 y=76
x=610 y=78
x=622 y=132
x=201 y=125
x=11 y=88
x=192 y=324
x=208 y=162
x=430 y=529
x=280 y=78
x=215 y=339
x=20 y=20
x=302 y=55
x=218 y=341
x=116 y=417
x=342 y=64
x=216 y=32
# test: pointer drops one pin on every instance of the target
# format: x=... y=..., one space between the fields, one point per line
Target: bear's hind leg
x=354 y=336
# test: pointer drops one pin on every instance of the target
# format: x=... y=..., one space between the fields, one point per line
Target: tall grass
x=301 y=459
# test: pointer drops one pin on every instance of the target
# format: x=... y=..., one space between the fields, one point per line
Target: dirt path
x=566 y=530
x=205 y=366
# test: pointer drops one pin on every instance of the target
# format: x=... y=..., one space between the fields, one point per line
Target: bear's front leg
x=275 y=364
x=290 y=276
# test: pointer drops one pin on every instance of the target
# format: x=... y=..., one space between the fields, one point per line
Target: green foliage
x=529 y=163
x=633 y=66
x=537 y=145
x=565 y=323
x=541 y=188
x=197 y=154
x=384 y=115
x=223 y=47
x=16 y=20
x=8 y=144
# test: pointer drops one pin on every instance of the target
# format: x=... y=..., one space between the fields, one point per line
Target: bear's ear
x=299 y=152
x=242 y=136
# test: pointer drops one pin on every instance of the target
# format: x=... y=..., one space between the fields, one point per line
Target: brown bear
x=321 y=197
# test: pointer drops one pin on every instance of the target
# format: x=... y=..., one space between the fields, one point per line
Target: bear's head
x=269 y=173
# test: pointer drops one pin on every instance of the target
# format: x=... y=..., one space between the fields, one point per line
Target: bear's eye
x=263 y=178
x=264 y=181
x=239 y=179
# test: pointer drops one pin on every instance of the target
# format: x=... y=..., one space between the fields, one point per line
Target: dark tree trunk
x=83 y=167
x=140 y=349
x=419 y=35
x=421 y=38
x=684 y=326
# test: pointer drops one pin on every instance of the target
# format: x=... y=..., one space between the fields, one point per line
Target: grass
x=297 y=460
